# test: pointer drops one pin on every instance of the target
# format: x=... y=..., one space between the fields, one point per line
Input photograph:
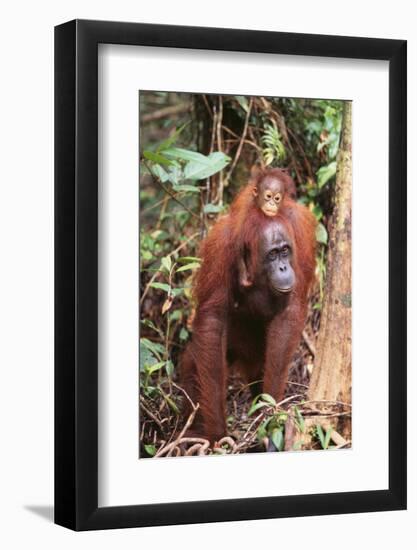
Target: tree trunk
x=331 y=376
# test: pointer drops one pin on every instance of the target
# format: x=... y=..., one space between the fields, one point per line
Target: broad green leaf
x=150 y=449
x=154 y=347
x=159 y=235
x=186 y=188
x=146 y=357
x=166 y=263
x=185 y=259
x=175 y=174
x=160 y=173
x=156 y=367
x=255 y=407
x=268 y=399
x=277 y=438
x=156 y=157
x=325 y=173
x=318 y=212
x=212 y=208
x=206 y=166
x=161 y=286
x=261 y=431
x=321 y=234
x=175 y=315
x=183 y=334
x=243 y=102
x=184 y=154
x=192 y=265
x=169 y=368
x=282 y=418
x=327 y=438
x=177 y=291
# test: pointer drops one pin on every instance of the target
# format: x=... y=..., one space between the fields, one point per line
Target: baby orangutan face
x=268 y=195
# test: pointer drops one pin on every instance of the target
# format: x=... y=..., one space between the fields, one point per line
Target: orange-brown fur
x=260 y=348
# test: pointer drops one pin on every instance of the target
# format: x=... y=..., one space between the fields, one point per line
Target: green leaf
x=169 y=368
x=268 y=399
x=183 y=334
x=321 y=234
x=185 y=259
x=175 y=174
x=327 y=438
x=318 y=212
x=150 y=449
x=150 y=324
x=159 y=235
x=297 y=446
x=177 y=291
x=157 y=158
x=320 y=434
x=184 y=154
x=277 y=438
x=171 y=404
x=261 y=431
x=171 y=139
x=192 y=265
x=159 y=173
x=155 y=367
x=212 y=208
x=186 y=188
x=166 y=263
x=300 y=419
x=146 y=357
x=325 y=173
x=206 y=166
x=175 y=315
x=256 y=406
x=243 y=102
x=154 y=347
x=161 y=286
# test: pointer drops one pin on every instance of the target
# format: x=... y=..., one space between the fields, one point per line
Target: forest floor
x=163 y=427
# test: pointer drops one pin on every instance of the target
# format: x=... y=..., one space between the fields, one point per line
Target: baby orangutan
x=269 y=189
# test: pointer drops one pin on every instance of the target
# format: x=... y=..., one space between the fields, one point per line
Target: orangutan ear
x=255 y=191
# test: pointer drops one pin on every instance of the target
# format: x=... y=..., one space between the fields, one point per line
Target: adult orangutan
x=252 y=294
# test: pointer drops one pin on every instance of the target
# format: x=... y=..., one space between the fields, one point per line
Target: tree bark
x=331 y=376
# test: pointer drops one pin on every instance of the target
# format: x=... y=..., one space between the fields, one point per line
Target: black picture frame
x=76 y=272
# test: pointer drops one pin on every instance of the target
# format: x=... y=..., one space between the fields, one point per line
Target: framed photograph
x=230 y=284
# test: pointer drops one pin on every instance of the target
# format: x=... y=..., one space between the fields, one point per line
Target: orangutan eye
x=273 y=254
x=277 y=198
x=268 y=195
x=285 y=250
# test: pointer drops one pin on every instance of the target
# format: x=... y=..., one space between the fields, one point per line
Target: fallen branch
x=165 y=450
